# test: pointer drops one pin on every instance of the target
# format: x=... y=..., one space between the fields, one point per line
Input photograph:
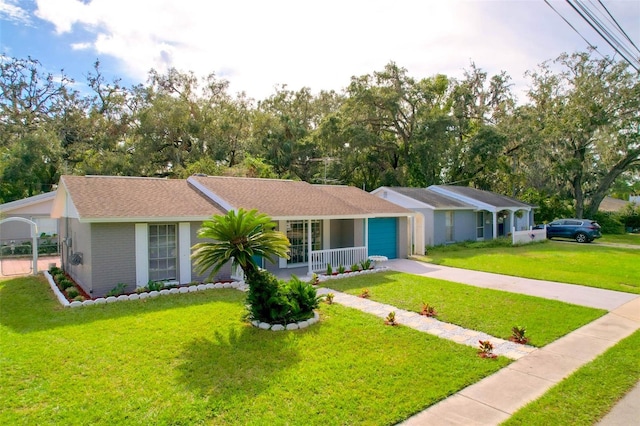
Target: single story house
x=132 y=229
x=447 y=213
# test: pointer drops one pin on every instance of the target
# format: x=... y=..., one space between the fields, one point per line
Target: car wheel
x=581 y=237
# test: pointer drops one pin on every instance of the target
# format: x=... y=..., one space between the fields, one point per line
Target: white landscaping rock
x=134 y=296
x=292 y=326
x=264 y=326
x=143 y=295
x=164 y=292
x=303 y=324
x=100 y=301
x=89 y=302
x=154 y=294
x=75 y=304
x=111 y=299
x=122 y=297
x=174 y=291
x=209 y=286
x=192 y=288
x=217 y=285
x=183 y=290
x=277 y=327
x=201 y=287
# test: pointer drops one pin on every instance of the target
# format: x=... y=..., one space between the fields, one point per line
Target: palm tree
x=238 y=236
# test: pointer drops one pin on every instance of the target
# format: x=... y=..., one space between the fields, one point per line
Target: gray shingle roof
x=288 y=198
x=487 y=197
x=432 y=198
x=110 y=197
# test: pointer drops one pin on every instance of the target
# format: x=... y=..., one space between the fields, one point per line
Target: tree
x=588 y=117
x=30 y=103
x=239 y=237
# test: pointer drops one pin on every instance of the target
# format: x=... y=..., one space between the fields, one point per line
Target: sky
x=259 y=45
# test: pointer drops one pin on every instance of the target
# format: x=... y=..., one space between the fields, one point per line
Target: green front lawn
x=584 y=264
x=633 y=239
x=191 y=359
x=588 y=394
x=491 y=311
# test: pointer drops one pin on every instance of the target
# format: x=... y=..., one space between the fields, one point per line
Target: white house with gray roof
x=132 y=230
x=447 y=214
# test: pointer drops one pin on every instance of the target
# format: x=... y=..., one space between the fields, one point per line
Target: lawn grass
x=590 y=265
x=491 y=311
x=588 y=394
x=633 y=239
x=191 y=359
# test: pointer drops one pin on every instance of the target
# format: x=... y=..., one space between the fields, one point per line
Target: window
x=297 y=233
x=480 y=225
x=449 y=226
x=163 y=252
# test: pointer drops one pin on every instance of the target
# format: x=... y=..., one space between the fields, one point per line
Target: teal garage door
x=383 y=237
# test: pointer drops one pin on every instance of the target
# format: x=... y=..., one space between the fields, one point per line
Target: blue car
x=581 y=230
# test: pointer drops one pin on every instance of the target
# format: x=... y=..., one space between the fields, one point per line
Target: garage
x=383 y=237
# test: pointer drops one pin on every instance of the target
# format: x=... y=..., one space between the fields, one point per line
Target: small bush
x=329 y=269
x=355 y=267
x=341 y=269
x=366 y=264
x=78 y=299
x=155 y=285
x=610 y=223
x=65 y=283
x=117 y=290
x=302 y=298
x=72 y=292
x=329 y=298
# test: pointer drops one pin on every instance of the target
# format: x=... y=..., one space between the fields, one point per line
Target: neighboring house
x=612 y=205
x=36 y=209
x=447 y=214
x=132 y=230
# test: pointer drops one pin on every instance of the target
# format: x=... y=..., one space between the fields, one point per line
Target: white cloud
x=10 y=11
x=257 y=44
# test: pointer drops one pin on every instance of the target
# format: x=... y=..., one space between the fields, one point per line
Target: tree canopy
x=575 y=139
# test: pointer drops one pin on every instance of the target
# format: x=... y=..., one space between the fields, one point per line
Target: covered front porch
x=316 y=243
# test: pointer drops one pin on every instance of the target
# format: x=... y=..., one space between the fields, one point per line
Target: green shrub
x=155 y=285
x=610 y=223
x=65 y=283
x=267 y=299
x=54 y=270
x=78 y=299
x=341 y=269
x=355 y=267
x=72 y=292
x=303 y=299
x=329 y=269
x=366 y=264
x=119 y=289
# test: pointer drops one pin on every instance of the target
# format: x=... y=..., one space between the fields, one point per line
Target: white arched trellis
x=34 y=238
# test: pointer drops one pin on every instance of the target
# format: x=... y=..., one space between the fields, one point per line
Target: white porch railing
x=336 y=257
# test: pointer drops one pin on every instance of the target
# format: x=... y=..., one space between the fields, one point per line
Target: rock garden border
x=238 y=285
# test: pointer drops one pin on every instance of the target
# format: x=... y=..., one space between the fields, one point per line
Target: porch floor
x=285 y=274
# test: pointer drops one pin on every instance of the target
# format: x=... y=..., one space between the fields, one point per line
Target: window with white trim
x=448 y=226
x=163 y=252
x=297 y=233
x=480 y=225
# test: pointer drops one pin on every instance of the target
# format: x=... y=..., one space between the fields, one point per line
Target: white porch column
x=366 y=236
x=309 y=247
x=495 y=225
x=142 y=254
x=184 y=251
x=512 y=224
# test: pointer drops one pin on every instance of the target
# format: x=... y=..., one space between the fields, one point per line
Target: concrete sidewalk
x=495 y=398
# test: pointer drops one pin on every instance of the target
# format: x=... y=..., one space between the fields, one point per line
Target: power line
x=604 y=32
x=609 y=29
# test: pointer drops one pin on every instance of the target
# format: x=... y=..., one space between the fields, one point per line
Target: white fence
x=529 y=236
x=336 y=257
